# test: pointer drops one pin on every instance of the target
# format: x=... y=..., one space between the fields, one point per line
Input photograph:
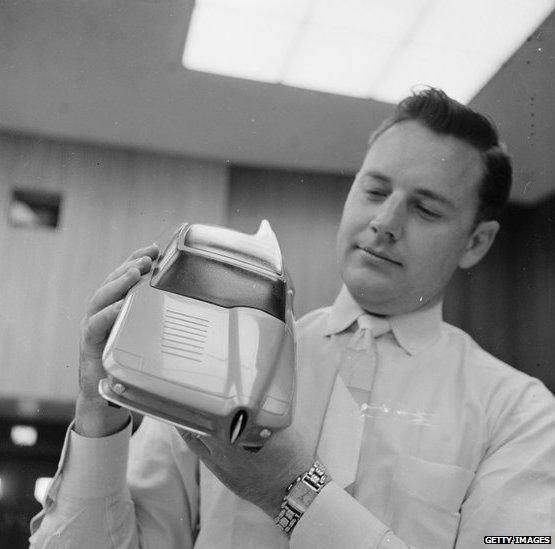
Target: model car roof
x=260 y=250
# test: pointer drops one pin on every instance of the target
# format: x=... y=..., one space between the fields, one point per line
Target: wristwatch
x=300 y=494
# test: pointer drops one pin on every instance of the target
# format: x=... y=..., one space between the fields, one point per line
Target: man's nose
x=389 y=220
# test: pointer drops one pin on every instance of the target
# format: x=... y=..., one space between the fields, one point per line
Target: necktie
x=361 y=357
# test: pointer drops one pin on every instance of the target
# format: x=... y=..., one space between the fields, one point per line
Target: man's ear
x=479 y=243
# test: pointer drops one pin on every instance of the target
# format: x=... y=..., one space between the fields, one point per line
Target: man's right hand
x=94 y=417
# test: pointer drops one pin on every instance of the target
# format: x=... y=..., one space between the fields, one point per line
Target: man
x=422 y=438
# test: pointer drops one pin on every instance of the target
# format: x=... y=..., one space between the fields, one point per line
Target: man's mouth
x=379 y=254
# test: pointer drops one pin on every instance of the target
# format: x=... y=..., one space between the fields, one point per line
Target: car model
x=206 y=340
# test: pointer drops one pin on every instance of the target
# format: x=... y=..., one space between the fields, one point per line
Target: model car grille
x=184 y=335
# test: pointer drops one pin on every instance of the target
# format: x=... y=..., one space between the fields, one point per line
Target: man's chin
x=374 y=298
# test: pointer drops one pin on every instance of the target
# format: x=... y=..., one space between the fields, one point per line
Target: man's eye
x=425 y=212
x=376 y=193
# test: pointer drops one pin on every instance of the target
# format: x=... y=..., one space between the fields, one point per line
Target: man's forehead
x=409 y=135
x=411 y=147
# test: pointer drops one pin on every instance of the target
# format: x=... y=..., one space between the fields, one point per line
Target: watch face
x=301 y=496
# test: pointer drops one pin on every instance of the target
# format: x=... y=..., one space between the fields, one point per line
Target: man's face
x=408 y=221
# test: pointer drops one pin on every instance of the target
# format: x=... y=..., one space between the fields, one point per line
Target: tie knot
x=369 y=328
x=374 y=324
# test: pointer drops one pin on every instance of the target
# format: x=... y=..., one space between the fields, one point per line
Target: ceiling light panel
x=243 y=38
x=319 y=62
x=459 y=46
x=386 y=20
x=376 y=49
x=458 y=73
x=345 y=46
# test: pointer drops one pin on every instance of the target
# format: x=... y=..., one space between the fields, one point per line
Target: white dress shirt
x=452 y=445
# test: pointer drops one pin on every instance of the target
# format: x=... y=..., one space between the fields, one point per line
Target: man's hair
x=438 y=112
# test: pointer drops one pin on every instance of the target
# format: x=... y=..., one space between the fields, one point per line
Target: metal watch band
x=314 y=479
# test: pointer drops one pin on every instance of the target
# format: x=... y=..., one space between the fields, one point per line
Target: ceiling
x=110 y=72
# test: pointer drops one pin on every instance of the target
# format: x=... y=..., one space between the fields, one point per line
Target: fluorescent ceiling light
x=41 y=488
x=377 y=49
x=243 y=38
x=23 y=435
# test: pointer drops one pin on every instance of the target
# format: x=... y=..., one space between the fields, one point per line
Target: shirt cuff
x=95 y=467
x=335 y=519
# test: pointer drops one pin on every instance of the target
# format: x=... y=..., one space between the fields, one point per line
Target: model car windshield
x=227 y=285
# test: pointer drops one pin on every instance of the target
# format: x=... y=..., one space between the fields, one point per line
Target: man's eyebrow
x=376 y=175
x=427 y=193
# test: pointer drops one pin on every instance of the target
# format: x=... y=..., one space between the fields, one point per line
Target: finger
x=144 y=265
x=196 y=444
x=141 y=258
x=113 y=291
x=151 y=250
x=97 y=327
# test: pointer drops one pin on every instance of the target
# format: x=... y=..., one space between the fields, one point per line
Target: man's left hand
x=259 y=477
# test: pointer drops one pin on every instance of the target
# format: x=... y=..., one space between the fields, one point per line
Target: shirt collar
x=414 y=331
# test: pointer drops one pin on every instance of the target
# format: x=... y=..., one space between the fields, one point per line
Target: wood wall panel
x=113 y=201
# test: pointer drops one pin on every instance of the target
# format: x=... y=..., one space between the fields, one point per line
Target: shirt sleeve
x=87 y=503
x=335 y=519
x=512 y=493
x=111 y=493
x=513 y=490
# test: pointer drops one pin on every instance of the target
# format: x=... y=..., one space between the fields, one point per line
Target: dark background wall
x=507 y=302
